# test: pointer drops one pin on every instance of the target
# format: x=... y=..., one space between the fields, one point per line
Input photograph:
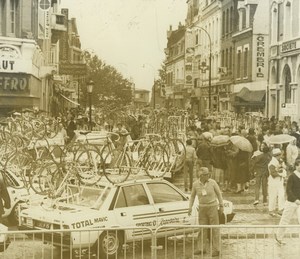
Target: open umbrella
x=280 y=139
x=242 y=143
x=220 y=140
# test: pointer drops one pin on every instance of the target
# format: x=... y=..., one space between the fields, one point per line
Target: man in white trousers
x=292 y=204
x=277 y=173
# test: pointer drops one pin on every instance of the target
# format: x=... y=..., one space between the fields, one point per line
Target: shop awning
x=71 y=101
x=248 y=97
x=251 y=96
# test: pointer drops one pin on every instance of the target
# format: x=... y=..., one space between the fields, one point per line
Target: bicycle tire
x=19 y=164
x=87 y=166
x=156 y=162
x=41 y=174
x=117 y=166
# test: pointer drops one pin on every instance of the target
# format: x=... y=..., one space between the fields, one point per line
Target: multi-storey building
x=250 y=66
x=174 y=89
x=141 y=98
x=30 y=33
x=284 y=68
x=21 y=58
x=203 y=39
x=229 y=21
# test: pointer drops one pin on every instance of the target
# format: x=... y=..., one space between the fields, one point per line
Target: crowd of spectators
x=267 y=166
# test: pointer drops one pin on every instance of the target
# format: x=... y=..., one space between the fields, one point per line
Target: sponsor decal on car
x=88 y=222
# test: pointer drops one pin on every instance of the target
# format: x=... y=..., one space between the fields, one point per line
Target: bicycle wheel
x=87 y=166
x=117 y=165
x=39 y=128
x=156 y=160
x=178 y=154
x=18 y=164
x=42 y=175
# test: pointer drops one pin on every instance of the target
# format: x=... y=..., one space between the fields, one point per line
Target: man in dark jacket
x=4 y=197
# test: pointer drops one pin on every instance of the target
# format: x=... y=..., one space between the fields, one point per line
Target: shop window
x=238 y=73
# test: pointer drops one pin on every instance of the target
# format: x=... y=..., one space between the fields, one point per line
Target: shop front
x=20 y=83
x=249 y=101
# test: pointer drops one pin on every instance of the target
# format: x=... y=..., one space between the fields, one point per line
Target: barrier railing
x=171 y=241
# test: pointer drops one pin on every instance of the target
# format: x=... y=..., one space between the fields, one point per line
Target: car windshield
x=90 y=197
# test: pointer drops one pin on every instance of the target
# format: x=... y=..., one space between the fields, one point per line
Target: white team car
x=143 y=203
x=18 y=194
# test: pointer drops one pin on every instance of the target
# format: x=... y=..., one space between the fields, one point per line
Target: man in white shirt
x=277 y=173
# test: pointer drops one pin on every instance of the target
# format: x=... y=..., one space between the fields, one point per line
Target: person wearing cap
x=292 y=204
x=210 y=203
x=277 y=173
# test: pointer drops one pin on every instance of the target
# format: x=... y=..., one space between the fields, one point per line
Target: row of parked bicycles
x=35 y=152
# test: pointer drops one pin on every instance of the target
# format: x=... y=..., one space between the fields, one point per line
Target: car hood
x=64 y=213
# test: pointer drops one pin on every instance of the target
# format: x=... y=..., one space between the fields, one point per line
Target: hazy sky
x=128 y=34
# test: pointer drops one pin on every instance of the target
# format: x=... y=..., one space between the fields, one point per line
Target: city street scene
x=149 y=129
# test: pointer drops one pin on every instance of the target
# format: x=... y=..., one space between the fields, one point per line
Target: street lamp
x=89 y=89
x=209 y=65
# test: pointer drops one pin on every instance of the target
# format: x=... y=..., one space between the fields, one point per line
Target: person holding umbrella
x=242 y=158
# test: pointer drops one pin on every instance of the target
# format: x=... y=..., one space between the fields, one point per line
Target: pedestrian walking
x=209 y=198
x=292 y=204
x=277 y=173
x=190 y=159
x=4 y=197
x=259 y=165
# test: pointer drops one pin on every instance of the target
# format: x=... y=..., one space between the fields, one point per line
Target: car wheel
x=14 y=215
x=109 y=244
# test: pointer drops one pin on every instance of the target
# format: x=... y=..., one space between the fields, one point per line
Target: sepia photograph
x=149 y=129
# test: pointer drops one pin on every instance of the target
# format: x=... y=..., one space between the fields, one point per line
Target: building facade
x=284 y=69
x=21 y=56
x=251 y=40
x=175 y=93
x=31 y=33
x=141 y=98
x=226 y=56
x=203 y=44
x=228 y=27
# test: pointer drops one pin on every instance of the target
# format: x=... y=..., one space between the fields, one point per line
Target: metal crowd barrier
x=176 y=242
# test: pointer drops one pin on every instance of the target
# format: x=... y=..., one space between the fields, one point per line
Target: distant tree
x=110 y=87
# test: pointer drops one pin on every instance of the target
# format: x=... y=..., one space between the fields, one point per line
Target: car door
x=133 y=208
x=170 y=205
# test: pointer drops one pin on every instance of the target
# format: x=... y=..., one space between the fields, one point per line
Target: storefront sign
x=44 y=19
x=289 y=109
x=260 y=56
x=14 y=83
x=7 y=65
x=72 y=69
x=289 y=46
